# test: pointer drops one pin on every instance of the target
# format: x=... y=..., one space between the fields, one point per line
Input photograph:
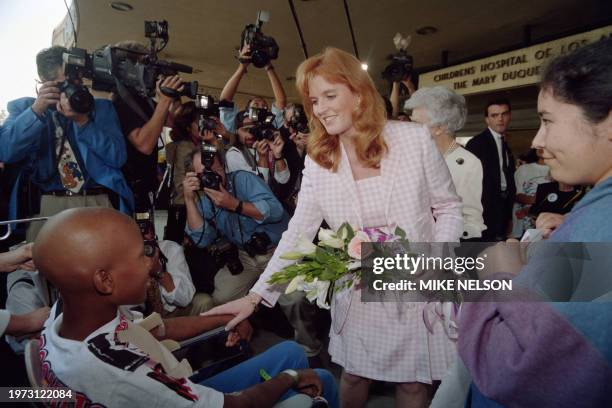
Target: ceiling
x=205 y=33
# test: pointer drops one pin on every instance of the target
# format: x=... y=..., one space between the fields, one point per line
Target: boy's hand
x=309 y=383
x=243 y=331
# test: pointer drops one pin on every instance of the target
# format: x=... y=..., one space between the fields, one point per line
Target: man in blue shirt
x=243 y=207
x=74 y=158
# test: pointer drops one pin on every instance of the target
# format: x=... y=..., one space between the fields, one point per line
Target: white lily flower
x=311 y=290
x=328 y=237
x=305 y=247
x=354 y=265
x=322 y=287
x=343 y=232
x=293 y=285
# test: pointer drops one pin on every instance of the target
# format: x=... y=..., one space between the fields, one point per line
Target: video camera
x=298 y=120
x=263 y=48
x=401 y=64
x=263 y=121
x=111 y=69
x=209 y=178
x=400 y=67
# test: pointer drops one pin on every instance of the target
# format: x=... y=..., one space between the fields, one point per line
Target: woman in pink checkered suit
x=370 y=172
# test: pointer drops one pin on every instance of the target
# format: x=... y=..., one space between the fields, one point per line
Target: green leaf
x=400 y=233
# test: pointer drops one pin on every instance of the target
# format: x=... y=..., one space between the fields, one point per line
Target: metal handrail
x=21 y=221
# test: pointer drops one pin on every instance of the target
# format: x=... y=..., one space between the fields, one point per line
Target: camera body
x=400 y=67
x=207 y=110
x=144 y=220
x=258 y=244
x=263 y=120
x=156 y=29
x=209 y=178
x=110 y=67
x=75 y=69
x=226 y=253
x=263 y=48
x=298 y=120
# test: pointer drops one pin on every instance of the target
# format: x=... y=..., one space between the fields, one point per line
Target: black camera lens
x=149 y=247
x=258 y=244
x=210 y=179
x=260 y=59
x=81 y=101
x=206 y=123
x=226 y=254
x=233 y=264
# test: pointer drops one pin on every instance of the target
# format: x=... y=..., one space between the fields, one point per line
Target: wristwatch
x=294 y=376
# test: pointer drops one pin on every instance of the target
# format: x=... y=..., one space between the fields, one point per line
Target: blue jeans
x=282 y=356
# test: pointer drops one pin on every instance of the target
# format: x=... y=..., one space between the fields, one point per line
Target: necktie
x=505 y=155
x=70 y=173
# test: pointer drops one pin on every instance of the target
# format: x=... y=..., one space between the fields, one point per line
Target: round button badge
x=552 y=197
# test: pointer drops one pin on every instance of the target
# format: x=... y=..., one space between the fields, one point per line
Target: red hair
x=369 y=119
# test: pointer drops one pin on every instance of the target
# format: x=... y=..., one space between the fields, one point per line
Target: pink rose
x=354 y=247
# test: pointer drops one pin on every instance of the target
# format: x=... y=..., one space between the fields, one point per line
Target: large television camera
x=401 y=64
x=114 y=69
x=263 y=48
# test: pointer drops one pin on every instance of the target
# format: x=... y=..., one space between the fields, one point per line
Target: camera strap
x=233 y=190
x=127 y=97
x=212 y=221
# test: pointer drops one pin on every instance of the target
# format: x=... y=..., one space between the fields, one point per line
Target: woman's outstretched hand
x=239 y=308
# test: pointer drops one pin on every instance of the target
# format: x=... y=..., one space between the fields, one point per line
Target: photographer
x=186 y=135
x=295 y=133
x=171 y=292
x=237 y=217
x=228 y=115
x=258 y=155
x=75 y=153
x=396 y=91
x=142 y=129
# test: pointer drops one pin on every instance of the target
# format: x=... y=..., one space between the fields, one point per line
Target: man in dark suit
x=498 y=188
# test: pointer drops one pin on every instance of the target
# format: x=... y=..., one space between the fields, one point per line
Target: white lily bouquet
x=333 y=265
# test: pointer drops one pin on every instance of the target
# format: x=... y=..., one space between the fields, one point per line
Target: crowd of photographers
x=232 y=174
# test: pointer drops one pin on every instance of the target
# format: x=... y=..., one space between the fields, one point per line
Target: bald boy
x=95 y=257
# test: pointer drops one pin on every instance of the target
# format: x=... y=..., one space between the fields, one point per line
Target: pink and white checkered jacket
x=419 y=196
